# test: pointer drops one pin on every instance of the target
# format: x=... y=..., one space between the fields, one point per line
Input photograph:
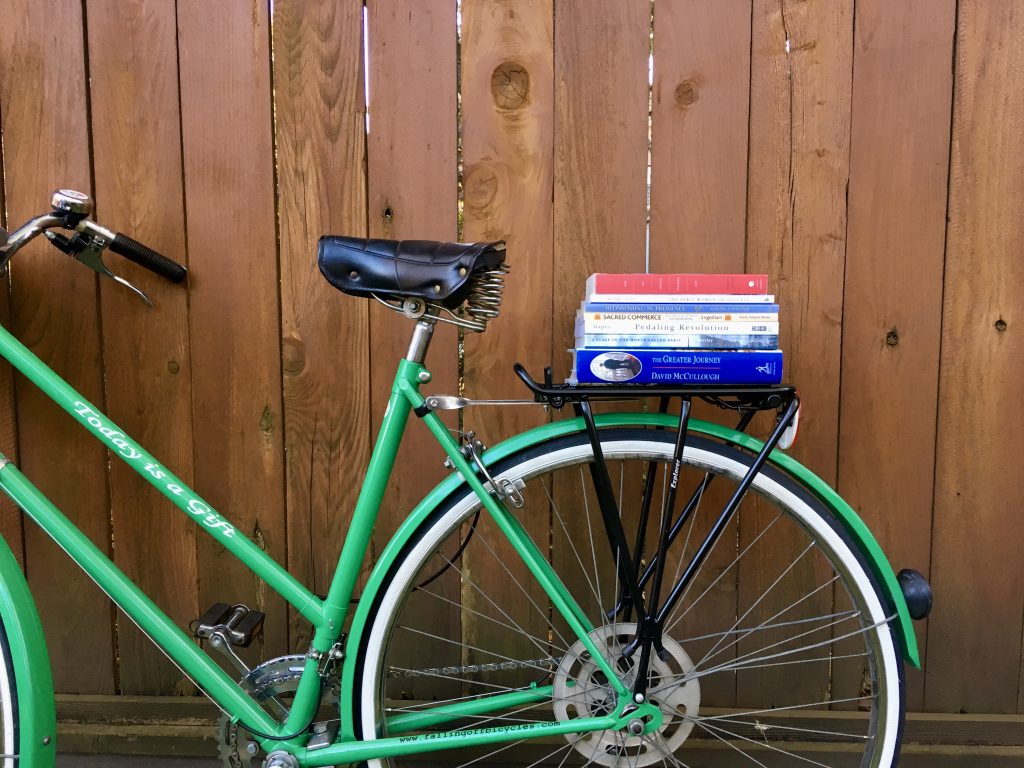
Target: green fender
x=844 y=514
x=37 y=714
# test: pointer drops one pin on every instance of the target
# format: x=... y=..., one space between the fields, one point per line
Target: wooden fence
x=867 y=155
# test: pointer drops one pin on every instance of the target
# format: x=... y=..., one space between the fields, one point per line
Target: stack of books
x=677 y=329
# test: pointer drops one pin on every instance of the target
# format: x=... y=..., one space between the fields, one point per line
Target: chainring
x=266 y=683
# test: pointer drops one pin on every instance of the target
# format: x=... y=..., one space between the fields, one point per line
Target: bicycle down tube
x=327 y=616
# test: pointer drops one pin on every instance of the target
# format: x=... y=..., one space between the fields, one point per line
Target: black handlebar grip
x=148 y=258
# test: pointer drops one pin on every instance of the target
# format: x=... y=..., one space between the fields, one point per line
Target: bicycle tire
x=403 y=622
x=10 y=732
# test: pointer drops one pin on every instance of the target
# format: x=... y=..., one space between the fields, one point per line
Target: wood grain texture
x=894 y=260
x=601 y=95
x=699 y=127
x=133 y=67
x=508 y=134
x=801 y=68
x=234 y=313
x=412 y=177
x=11 y=520
x=45 y=132
x=974 y=639
x=507 y=141
x=600 y=163
x=796 y=225
x=699 y=135
x=321 y=144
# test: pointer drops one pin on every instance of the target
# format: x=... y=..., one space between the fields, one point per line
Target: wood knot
x=1000 y=325
x=510 y=85
x=267 y=421
x=173 y=366
x=686 y=93
x=481 y=188
x=293 y=353
x=892 y=338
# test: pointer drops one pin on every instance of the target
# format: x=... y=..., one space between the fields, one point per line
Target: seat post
x=420 y=341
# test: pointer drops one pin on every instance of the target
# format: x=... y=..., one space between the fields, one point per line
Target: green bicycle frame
x=327 y=616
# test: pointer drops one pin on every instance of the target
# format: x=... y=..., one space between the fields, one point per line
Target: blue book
x=678 y=367
x=703 y=309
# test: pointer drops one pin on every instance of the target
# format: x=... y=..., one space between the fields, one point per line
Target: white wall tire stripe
x=624 y=448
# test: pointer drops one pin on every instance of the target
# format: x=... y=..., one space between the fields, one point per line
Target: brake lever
x=89 y=251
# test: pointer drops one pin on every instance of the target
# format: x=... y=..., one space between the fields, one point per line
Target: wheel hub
x=582 y=690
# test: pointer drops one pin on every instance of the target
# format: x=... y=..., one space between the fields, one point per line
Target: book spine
x=679 y=341
x=681 y=298
x=676 y=283
x=647 y=308
x=656 y=366
x=672 y=326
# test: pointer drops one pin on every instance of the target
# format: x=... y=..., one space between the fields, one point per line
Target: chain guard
x=267 y=681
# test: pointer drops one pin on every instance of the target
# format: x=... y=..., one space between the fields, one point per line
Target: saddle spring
x=484 y=301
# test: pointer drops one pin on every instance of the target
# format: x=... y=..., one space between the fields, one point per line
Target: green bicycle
x=618 y=589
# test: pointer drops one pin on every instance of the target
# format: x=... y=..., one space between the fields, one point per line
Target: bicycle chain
x=237 y=750
x=549 y=662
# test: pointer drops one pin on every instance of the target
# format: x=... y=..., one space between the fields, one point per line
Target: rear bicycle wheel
x=779 y=652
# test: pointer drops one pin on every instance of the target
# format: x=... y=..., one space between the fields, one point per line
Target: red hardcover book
x=654 y=285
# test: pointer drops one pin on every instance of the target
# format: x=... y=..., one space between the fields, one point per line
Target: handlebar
x=70 y=212
x=146 y=257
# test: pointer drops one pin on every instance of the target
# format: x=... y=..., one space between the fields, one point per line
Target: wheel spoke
x=797 y=625
x=483 y=540
x=764 y=743
x=539 y=642
x=764 y=625
x=569 y=539
x=726 y=570
x=788 y=569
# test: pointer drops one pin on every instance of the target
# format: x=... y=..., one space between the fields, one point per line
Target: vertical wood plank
x=412 y=182
x=600 y=162
x=11 y=520
x=891 y=313
x=699 y=135
x=601 y=94
x=699 y=126
x=799 y=168
x=974 y=639
x=321 y=143
x=45 y=131
x=507 y=136
x=801 y=69
x=134 y=76
x=234 y=304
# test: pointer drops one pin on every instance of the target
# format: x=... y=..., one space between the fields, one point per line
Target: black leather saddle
x=400 y=269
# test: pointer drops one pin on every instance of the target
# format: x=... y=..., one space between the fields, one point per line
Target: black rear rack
x=742 y=398
x=640 y=581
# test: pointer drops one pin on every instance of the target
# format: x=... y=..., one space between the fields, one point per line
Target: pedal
x=239 y=625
